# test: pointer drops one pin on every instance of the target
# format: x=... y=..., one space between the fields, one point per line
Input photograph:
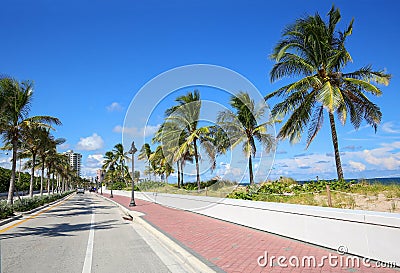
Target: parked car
x=92 y=189
x=80 y=190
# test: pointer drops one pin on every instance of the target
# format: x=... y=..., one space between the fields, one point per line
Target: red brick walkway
x=235 y=248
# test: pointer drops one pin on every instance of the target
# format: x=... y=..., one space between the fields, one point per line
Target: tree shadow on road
x=57 y=230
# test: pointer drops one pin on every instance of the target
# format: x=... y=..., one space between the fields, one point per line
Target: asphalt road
x=83 y=234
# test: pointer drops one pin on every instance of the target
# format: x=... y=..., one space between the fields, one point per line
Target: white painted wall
x=375 y=235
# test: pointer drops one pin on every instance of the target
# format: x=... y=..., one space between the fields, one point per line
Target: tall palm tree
x=242 y=126
x=183 y=120
x=14 y=116
x=172 y=137
x=316 y=52
x=47 y=144
x=60 y=163
x=31 y=143
x=121 y=156
x=109 y=163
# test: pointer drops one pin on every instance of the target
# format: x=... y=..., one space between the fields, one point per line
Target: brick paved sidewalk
x=234 y=248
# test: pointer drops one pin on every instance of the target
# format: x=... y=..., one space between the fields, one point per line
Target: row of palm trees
x=311 y=49
x=30 y=137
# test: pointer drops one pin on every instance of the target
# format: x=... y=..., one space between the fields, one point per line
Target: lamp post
x=132 y=151
x=97 y=184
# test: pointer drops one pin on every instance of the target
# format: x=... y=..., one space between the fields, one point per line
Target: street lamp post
x=132 y=151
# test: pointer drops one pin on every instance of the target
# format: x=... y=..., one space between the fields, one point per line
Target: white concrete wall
x=375 y=235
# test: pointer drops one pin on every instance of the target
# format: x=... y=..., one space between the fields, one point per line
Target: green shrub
x=240 y=195
x=5 y=210
x=27 y=204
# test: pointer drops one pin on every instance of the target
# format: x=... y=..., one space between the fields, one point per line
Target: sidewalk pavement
x=235 y=248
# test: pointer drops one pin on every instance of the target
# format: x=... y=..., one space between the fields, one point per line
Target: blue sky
x=88 y=59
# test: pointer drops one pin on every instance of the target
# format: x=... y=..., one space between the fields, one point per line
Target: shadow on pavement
x=56 y=230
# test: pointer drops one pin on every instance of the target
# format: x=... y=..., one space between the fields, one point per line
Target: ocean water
x=385 y=181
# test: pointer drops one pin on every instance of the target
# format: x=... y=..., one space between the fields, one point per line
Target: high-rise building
x=74 y=161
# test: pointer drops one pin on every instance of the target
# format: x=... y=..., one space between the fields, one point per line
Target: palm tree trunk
x=179 y=174
x=52 y=184
x=32 y=175
x=196 y=157
x=42 y=179
x=58 y=183
x=251 y=171
x=48 y=181
x=10 y=199
x=339 y=169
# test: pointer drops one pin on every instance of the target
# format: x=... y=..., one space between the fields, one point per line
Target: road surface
x=83 y=234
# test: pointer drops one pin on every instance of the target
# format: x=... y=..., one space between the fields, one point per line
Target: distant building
x=74 y=161
x=100 y=175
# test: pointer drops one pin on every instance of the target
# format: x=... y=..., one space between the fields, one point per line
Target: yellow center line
x=34 y=216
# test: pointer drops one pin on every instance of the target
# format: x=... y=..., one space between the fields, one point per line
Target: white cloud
x=384 y=157
x=358 y=166
x=91 y=143
x=137 y=132
x=92 y=164
x=390 y=127
x=115 y=106
x=95 y=160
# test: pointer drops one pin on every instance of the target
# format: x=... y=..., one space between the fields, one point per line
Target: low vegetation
x=348 y=195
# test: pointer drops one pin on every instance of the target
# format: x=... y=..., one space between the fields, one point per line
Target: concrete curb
x=21 y=214
x=9 y=220
x=191 y=262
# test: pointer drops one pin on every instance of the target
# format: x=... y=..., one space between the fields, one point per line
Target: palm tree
x=162 y=167
x=182 y=121
x=14 y=117
x=121 y=157
x=315 y=51
x=144 y=154
x=109 y=163
x=172 y=137
x=242 y=127
x=47 y=144
x=59 y=164
x=31 y=143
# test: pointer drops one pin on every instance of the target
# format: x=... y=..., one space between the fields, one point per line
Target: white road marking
x=87 y=265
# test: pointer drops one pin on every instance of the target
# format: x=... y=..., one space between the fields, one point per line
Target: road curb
x=9 y=220
x=192 y=263
x=21 y=214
